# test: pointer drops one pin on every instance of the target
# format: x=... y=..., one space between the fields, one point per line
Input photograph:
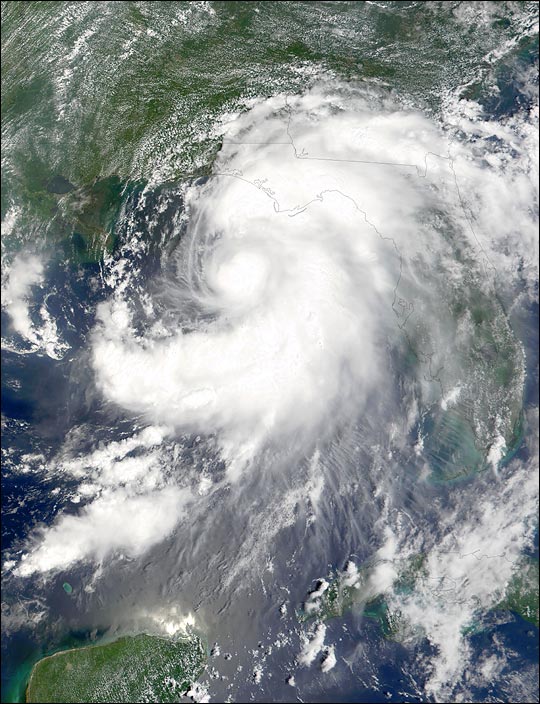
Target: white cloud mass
x=334 y=225
x=306 y=253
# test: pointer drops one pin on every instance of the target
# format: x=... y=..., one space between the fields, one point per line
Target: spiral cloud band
x=293 y=260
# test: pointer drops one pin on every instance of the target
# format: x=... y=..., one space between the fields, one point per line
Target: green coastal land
x=346 y=590
x=141 y=668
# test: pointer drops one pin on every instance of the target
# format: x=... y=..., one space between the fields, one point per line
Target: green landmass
x=96 y=96
x=522 y=593
x=485 y=367
x=521 y=596
x=340 y=597
x=142 y=668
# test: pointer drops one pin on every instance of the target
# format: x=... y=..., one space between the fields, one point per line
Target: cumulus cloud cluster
x=25 y=273
x=117 y=521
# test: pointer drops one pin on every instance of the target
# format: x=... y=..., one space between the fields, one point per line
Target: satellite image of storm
x=270 y=351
